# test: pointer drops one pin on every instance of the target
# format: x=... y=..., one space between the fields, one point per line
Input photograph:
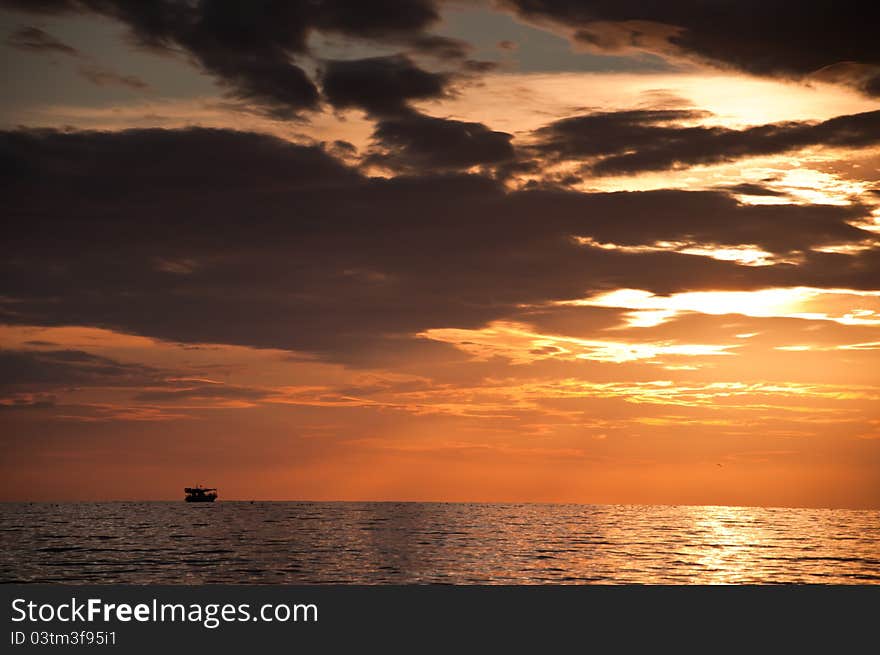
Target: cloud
x=379 y=85
x=645 y=218
x=766 y=37
x=105 y=77
x=25 y=400
x=405 y=139
x=413 y=141
x=256 y=49
x=521 y=344
x=441 y=47
x=752 y=189
x=216 y=236
x=201 y=392
x=797 y=302
x=61 y=368
x=33 y=39
x=629 y=142
x=169 y=160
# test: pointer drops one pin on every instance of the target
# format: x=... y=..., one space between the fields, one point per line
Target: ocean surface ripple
x=433 y=543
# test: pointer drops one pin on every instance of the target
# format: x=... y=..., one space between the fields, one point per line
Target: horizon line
x=440 y=502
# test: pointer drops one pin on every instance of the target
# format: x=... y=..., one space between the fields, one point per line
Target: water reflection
x=407 y=543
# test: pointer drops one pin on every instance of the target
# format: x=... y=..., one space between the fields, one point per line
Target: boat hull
x=202 y=499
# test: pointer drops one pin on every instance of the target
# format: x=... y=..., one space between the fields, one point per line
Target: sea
x=433 y=543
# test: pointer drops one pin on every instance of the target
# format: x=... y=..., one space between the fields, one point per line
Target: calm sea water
x=404 y=543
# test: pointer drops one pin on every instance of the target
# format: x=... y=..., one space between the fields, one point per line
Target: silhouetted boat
x=200 y=495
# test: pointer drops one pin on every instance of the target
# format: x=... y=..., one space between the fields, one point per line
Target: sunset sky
x=465 y=250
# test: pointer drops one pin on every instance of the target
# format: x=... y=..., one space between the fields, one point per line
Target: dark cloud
x=204 y=392
x=606 y=133
x=33 y=39
x=413 y=141
x=29 y=379
x=211 y=236
x=441 y=47
x=871 y=86
x=380 y=85
x=104 y=77
x=63 y=368
x=253 y=48
x=405 y=139
x=18 y=401
x=752 y=189
x=138 y=160
x=761 y=37
x=628 y=142
x=634 y=218
x=40 y=6
x=377 y=20
x=248 y=47
x=479 y=66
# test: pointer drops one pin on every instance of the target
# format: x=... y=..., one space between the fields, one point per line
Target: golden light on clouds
x=844 y=306
x=518 y=102
x=807 y=185
x=519 y=343
x=747 y=255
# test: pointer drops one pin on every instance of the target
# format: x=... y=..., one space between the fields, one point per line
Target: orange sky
x=320 y=308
